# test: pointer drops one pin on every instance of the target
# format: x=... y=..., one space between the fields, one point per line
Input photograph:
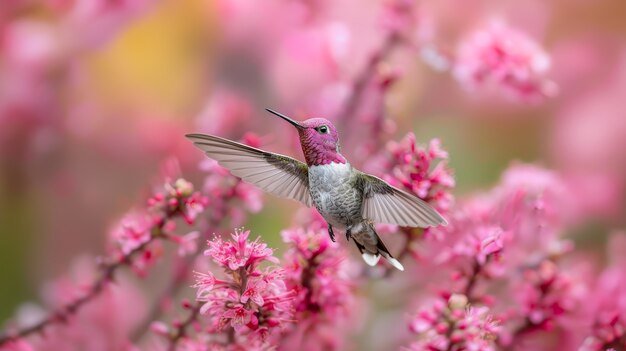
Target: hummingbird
x=347 y=199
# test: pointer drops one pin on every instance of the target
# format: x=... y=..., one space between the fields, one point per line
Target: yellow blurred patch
x=159 y=60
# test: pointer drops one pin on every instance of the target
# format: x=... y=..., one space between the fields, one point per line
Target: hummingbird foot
x=348 y=235
x=331 y=233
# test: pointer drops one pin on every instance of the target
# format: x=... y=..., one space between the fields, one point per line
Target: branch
x=522 y=330
x=172 y=289
x=176 y=284
x=171 y=204
x=181 y=330
x=471 y=282
x=360 y=83
x=307 y=277
x=63 y=313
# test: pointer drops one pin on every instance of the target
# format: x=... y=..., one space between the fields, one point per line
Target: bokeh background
x=96 y=95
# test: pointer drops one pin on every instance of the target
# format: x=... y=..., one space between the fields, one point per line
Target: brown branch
x=473 y=278
x=176 y=284
x=522 y=330
x=181 y=330
x=108 y=272
x=364 y=77
x=63 y=313
x=307 y=277
x=617 y=344
x=528 y=326
x=172 y=289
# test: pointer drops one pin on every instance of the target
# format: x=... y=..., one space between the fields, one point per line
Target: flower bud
x=457 y=301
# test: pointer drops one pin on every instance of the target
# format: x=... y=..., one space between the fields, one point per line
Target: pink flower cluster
x=137 y=231
x=545 y=294
x=451 y=324
x=303 y=303
x=606 y=316
x=511 y=237
x=500 y=58
x=253 y=302
x=422 y=171
x=321 y=276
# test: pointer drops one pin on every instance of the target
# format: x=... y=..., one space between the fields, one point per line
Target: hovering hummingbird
x=347 y=198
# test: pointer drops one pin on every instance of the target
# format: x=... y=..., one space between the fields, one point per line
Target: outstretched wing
x=383 y=203
x=277 y=174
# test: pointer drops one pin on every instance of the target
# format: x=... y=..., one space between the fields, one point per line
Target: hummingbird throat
x=317 y=154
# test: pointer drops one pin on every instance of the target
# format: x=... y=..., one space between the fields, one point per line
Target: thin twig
x=181 y=331
x=307 y=277
x=473 y=278
x=63 y=313
x=522 y=330
x=176 y=284
x=364 y=77
x=172 y=289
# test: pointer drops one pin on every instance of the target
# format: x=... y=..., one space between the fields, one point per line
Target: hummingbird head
x=319 y=140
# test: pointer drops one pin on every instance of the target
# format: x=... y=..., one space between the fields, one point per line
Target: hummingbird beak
x=294 y=123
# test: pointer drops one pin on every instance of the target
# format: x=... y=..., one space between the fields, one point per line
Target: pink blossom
x=187 y=244
x=239 y=253
x=137 y=231
x=492 y=244
x=530 y=206
x=472 y=245
x=454 y=325
x=422 y=171
x=253 y=292
x=547 y=293
x=132 y=231
x=498 y=57
x=256 y=303
x=239 y=317
x=477 y=242
x=606 y=303
x=321 y=275
x=511 y=235
x=179 y=198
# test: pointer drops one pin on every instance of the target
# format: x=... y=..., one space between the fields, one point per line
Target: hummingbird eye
x=322 y=129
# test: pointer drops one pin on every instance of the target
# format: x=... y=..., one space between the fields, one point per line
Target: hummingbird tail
x=372 y=247
x=370 y=258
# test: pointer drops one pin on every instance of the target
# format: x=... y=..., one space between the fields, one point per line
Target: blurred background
x=95 y=95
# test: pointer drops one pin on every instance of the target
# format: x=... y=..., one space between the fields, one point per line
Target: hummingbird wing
x=277 y=174
x=383 y=203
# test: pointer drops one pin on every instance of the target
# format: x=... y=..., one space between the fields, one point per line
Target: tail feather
x=370 y=259
x=392 y=261
x=372 y=247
